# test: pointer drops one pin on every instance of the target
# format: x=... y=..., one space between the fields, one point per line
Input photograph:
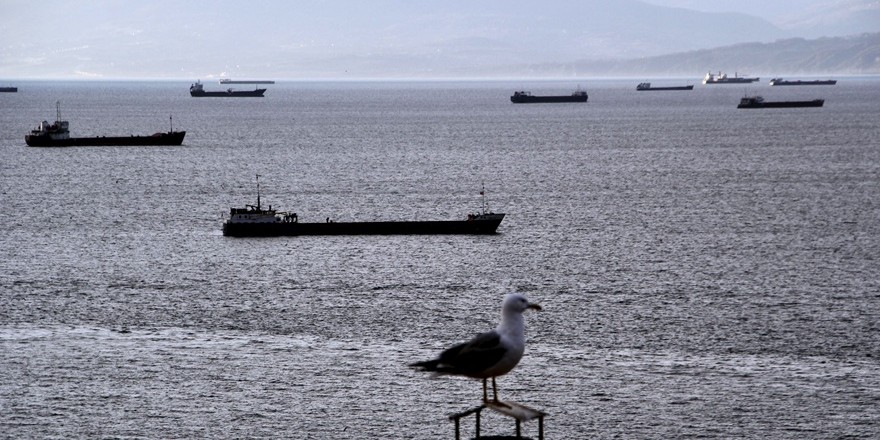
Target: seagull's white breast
x=515 y=347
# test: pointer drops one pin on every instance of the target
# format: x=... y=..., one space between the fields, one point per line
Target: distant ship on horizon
x=197 y=90
x=722 y=78
x=524 y=97
x=759 y=102
x=230 y=81
x=646 y=86
x=797 y=82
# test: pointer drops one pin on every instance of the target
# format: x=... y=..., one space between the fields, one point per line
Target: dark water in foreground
x=706 y=272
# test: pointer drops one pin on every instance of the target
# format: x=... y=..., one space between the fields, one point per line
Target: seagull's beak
x=534 y=306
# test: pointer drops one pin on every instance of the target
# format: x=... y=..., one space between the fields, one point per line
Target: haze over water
x=704 y=271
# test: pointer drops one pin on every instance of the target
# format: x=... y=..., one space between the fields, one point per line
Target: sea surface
x=705 y=272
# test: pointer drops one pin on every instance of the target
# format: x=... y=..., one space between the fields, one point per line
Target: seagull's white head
x=517 y=303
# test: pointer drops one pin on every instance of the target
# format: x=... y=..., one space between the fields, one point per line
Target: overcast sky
x=368 y=38
x=770 y=10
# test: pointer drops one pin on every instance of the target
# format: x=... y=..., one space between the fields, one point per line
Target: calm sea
x=705 y=272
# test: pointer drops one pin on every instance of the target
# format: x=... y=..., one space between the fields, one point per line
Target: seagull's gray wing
x=473 y=357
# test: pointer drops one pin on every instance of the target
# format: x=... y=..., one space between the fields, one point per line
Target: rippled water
x=705 y=271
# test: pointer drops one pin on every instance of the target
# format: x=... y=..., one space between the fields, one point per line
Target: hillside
x=421 y=39
x=842 y=55
x=347 y=38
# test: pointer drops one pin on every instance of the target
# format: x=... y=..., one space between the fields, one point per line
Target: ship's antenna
x=258 y=192
x=483 y=195
x=57 y=111
x=171 y=124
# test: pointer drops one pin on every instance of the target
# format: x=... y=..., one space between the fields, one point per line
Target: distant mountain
x=346 y=38
x=415 y=39
x=561 y=29
x=800 y=18
x=838 y=18
x=840 y=55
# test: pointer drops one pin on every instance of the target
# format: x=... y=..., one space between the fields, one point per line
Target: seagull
x=490 y=354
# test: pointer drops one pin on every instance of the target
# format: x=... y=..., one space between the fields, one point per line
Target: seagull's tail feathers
x=437 y=367
x=426 y=365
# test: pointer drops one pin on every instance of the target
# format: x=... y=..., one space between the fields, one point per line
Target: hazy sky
x=373 y=38
x=770 y=10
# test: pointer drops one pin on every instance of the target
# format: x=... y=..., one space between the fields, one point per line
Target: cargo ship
x=8 y=89
x=230 y=81
x=646 y=86
x=758 y=102
x=523 y=97
x=197 y=90
x=722 y=78
x=57 y=134
x=797 y=82
x=256 y=221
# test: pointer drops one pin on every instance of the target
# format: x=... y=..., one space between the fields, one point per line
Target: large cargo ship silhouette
x=197 y=90
x=57 y=134
x=256 y=221
x=523 y=97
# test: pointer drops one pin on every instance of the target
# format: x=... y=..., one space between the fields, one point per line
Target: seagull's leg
x=485 y=396
x=495 y=395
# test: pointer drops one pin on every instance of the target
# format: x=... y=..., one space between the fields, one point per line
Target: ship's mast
x=57 y=111
x=258 y=192
x=483 y=195
x=170 y=124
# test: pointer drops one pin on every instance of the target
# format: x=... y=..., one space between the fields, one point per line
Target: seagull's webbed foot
x=495 y=400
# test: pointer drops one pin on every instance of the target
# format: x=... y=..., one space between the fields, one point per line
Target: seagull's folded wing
x=472 y=358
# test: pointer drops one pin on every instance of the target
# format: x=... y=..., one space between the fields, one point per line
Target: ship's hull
x=732 y=81
x=174 y=138
x=829 y=82
x=784 y=104
x=547 y=99
x=461 y=227
x=651 y=89
x=8 y=89
x=258 y=93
